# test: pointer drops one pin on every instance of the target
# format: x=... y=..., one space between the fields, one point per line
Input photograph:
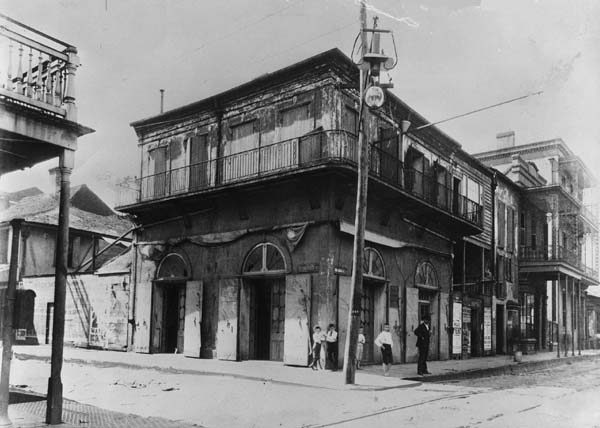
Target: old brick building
x=246 y=213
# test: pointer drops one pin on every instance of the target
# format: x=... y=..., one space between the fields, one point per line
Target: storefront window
x=527 y=316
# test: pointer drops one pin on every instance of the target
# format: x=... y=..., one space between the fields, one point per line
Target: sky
x=455 y=56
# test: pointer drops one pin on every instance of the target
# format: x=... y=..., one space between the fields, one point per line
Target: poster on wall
x=487 y=329
x=456 y=328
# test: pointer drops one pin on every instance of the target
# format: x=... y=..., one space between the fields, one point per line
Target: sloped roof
x=118 y=264
x=44 y=209
x=20 y=194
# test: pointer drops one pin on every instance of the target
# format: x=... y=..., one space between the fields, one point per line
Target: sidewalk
x=28 y=409
x=264 y=371
x=484 y=366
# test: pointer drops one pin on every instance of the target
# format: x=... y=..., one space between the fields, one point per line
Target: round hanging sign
x=374 y=97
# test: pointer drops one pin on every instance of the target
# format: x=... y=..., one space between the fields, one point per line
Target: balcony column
x=69 y=98
x=55 y=393
x=555 y=171
x=557 y=294
x=573 y=316
x=580 y=312
x=550 y=228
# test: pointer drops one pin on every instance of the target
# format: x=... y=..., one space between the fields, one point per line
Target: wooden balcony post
x=20 y=71
x=69 y=95
x=55 y=393
x=29 y=82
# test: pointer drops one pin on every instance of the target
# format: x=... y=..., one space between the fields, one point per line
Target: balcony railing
x=318 y=148
x=555 y=254
x=476 y=288
x=38 y=70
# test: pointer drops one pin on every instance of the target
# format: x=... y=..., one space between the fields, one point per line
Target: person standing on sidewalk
x=423 y=334
x=384 y=342
x=360 y=345
x=318 y=338
x=332 y=346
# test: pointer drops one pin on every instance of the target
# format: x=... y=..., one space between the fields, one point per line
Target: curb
x=512 y=368
x=172 y=370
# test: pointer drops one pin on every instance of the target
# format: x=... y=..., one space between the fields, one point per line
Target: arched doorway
x=426 y=282
x=373 y=302
x=168 y=304
x=263 y=303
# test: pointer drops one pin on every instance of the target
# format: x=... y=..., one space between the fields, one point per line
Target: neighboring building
x=94 y=227
x=558 y=239
x=592 y=327
x=508 y=202
x=245 y=208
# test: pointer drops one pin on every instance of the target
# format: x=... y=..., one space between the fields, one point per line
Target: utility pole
x=55 y=387
x=370 y=93
x=359 y=222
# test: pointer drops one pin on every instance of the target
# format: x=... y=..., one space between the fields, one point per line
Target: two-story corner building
x=557 y=240
x=245 y=210
x=94 y=229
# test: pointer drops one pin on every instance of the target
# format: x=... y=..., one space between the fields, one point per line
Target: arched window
x=173 y=267
x=265 y=258
x=373 y=266
x=425 y=276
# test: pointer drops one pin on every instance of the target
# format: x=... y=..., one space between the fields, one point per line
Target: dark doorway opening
x=267 y=318
x=500 y=330
x=475 y=333
x=172 y=319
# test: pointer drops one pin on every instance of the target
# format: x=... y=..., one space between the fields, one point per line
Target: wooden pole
x=55 y=393
x=7 y=332
x=359 y=222
x=558 y=313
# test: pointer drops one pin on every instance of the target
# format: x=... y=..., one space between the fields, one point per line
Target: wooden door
x=277 y=319
x=227 y=329
x=296 y=343
x=160 y=171
x=193 y=319
x=367 y=308
x=143 y=316
x=412 y=322
x=199 y=165
x=180 y=317
x=157 y=318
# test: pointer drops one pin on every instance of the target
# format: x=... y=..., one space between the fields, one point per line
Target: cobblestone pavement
x=29 y=410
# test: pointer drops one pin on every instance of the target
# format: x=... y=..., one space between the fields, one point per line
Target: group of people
x=329 y=341
x=383 y=341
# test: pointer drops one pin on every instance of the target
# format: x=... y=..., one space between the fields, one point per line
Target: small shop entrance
x=267 y=318
x=367 y=319
x=169 y=318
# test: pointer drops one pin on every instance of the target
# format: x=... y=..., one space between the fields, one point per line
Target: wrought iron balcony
x=314 y=149
x=555 y=254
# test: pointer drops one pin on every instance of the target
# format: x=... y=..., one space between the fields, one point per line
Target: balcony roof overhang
x=551 y=269
x=31 y=135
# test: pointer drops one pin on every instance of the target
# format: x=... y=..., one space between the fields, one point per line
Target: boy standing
x=384 y=342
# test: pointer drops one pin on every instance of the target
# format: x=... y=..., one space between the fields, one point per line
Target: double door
x=267 y=319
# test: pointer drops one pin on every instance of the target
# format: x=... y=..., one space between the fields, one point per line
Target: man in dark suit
x=423 y=333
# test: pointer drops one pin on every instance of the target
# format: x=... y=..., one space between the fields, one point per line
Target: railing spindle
x=38 y=81
x=9 y=83
x=20 y=71
x=29 y=91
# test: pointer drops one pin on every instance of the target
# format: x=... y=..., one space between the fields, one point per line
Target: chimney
x=505 y=140
x=55 y=179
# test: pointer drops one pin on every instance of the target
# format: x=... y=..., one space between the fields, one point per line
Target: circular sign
x=374 y=97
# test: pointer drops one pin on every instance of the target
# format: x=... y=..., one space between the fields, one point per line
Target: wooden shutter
x=193 y=319
x=227 y=330
x=510 y=229
x=501 y=224
x=412 y=322
x=157 y=319
x=296 y=344
x=344 y=304
x=445 y=322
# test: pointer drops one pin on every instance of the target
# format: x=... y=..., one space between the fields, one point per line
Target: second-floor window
x=510 y=229
x=501 y=224
x=240 y=157
x=295 y=122
x=350 y=120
